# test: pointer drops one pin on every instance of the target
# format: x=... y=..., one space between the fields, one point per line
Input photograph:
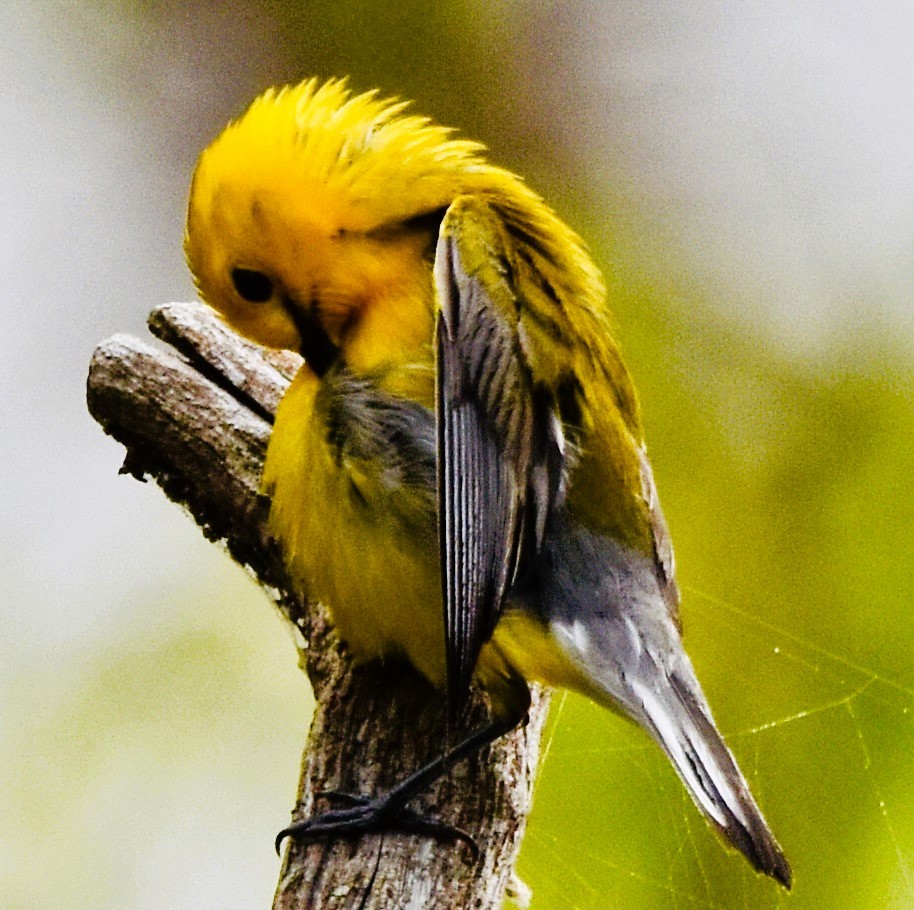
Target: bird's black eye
x=252 y=286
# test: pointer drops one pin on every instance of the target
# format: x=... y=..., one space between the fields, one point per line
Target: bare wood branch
x=198 y=424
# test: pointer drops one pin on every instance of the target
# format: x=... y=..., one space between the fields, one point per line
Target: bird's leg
x=359 y=814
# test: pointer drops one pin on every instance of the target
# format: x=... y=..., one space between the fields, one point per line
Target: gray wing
x=500 y=443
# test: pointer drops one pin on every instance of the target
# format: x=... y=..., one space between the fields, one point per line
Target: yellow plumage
x=418 y=279
x=312 y=185
x=373 y=567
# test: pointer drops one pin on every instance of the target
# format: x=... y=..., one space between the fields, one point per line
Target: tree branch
x=198 y=422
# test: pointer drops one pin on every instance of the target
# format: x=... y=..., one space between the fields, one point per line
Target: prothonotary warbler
x=459 y=470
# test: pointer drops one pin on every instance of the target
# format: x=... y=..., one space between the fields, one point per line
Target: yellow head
x=313 y=206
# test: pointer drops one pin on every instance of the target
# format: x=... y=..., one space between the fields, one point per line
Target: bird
x=458 y=471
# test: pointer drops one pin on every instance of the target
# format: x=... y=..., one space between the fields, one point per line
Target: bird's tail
x=678 y=717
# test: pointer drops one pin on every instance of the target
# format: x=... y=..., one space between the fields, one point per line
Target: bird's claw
x=345 y=799
x=360 y=814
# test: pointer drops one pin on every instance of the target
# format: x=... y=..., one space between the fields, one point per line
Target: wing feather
x=500 y=442
x=664 y=560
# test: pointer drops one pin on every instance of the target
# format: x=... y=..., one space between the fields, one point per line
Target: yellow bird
x=458 y=471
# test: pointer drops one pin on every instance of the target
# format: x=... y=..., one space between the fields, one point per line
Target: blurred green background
x=745 y=176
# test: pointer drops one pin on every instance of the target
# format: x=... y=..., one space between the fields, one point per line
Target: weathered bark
x=198 y=424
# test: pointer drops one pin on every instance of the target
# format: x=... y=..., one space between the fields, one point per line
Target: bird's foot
x=356 y=815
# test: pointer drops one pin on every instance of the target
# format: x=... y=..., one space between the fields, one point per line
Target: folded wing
x=500 y=441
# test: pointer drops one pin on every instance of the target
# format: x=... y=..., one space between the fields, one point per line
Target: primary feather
x=459 y=470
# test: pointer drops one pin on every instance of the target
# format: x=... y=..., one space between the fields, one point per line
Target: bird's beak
x=316 y=347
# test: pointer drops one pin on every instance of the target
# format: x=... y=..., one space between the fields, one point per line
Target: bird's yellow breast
x=364 y=548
